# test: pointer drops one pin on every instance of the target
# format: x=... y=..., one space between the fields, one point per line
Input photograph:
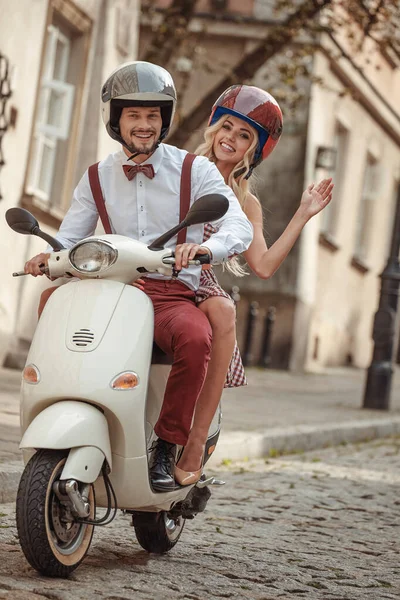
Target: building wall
x=324 y=302
x=109 y=44
x=233 y=7
x=25 y=59
x=322 y=317
x=278 y=182
x=347 y=290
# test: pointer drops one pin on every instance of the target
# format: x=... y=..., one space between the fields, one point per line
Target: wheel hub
x=64 y=525
x=173 y=527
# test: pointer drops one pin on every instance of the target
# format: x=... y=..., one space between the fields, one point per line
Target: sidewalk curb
x=239 y=445
x=10 y=474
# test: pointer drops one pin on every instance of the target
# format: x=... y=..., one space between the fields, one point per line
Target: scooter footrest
x=195 y=502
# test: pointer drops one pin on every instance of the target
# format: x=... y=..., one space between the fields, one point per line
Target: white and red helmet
x=259 y=109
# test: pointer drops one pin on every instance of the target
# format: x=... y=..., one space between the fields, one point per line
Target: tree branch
x=171 y=32
x=278 y=37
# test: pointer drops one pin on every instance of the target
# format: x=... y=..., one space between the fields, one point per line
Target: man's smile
x=143 y=135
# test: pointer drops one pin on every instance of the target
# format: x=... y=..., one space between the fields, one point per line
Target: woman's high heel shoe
x=187 y=477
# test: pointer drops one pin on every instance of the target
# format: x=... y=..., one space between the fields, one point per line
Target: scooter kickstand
x=210 y=481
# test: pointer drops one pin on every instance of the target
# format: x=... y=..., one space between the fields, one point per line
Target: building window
x=53 y=115
x=54 y=139
x=365 y=210
x=330 y=215
x=391 y=218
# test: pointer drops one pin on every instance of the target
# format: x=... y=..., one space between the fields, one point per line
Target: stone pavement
x=320 y=525
x=10 y=456
x=278 y=412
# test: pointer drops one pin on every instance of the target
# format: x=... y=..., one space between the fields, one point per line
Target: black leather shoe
x=162 y=464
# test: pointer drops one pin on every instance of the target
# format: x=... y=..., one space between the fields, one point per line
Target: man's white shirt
x=144 y=208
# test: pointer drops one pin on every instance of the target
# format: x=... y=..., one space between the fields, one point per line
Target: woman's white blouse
x=144 y=208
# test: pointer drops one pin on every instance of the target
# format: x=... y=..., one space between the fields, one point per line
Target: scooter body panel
x=69 y=424
x=85 y=374
x=130 y=480
x=84 y=464
x=119 y=319
x=119 y=344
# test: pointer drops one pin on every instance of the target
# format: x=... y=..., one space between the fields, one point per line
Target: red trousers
x=182 y=331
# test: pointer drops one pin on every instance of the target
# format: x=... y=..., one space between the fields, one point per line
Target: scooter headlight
x=93 y=256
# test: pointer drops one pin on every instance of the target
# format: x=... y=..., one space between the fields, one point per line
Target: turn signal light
x=31 y=374
x=125 y=381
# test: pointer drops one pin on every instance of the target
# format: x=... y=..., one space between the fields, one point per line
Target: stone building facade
x=326 y=292
x=58 y=54
x=346 y=126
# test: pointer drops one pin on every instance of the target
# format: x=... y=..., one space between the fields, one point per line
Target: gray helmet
x=137 y=83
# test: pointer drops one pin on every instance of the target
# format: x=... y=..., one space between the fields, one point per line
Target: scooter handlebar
x=202 y=259
x=45 y=271
x=199 y=259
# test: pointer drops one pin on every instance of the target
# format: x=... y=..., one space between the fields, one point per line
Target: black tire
x=38 y=512
x=156 y=532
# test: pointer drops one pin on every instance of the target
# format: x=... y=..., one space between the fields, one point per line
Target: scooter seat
x=159 y=357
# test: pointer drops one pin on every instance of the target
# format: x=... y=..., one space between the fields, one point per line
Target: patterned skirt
x=208 y=288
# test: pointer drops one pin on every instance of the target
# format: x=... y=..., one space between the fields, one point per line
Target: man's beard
x=140 y=149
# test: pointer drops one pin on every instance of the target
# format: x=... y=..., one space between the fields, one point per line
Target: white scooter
x=91 y=397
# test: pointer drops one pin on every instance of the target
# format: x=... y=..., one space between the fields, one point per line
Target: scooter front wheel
x=157 y=532
x=53 y=541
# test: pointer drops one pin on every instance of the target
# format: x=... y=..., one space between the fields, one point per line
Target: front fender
x=69 y=424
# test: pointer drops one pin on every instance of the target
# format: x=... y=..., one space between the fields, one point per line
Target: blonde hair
x=236 y=180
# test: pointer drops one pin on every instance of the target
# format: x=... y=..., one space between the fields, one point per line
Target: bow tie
x=132 y=171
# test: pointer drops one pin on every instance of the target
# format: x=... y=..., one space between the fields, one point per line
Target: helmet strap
x=243 y=170
x=133 y=156
x=250 y=172
x=239 y=173
x=138 y=153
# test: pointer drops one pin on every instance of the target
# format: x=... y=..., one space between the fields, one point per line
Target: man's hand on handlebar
x=185 y=252
x=33 y=266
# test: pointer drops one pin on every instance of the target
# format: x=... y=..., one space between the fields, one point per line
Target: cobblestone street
x=323 y=524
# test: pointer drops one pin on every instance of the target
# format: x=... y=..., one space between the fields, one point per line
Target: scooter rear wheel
x=157 y=532
x=53 y=542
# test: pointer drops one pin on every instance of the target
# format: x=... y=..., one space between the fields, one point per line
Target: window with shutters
x=330 y=215
x=54 y=136
x=53 y=120
x=365 y=215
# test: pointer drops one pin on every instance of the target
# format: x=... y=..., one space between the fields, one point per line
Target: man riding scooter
x=138 y=193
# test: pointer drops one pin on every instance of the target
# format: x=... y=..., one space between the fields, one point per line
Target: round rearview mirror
x=21 y=221
x=206 y=209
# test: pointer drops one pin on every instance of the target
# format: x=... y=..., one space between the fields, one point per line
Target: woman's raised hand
x=316 y=197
